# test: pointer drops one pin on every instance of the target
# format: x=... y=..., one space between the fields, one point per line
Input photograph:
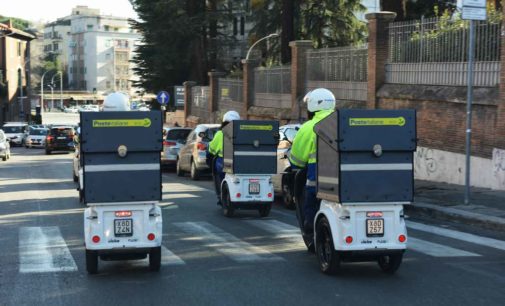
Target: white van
x=16 y=132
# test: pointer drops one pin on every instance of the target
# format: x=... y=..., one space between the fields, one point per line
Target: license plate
x=61 y=138
x=374 y=227
x=254 y=188
x=123 y=227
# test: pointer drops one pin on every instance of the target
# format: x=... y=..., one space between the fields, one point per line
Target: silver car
x=16 y=132
x=36 y=138
x=192 y=156
x=172 y=143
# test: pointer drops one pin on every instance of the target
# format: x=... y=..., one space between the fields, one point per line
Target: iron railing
x=230 y=89
x=434 y=51
x=200 y=97
x=275 y=80
x=348 y=64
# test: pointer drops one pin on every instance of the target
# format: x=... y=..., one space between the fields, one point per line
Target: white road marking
x=435 y=249
x=488 y=242
x=168 y=258
x=225 y=243
x=290 y=236
x=42 y=249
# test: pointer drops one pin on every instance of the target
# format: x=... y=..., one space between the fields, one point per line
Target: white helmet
x=116 y=101
x=319 y=99
x=230 y=116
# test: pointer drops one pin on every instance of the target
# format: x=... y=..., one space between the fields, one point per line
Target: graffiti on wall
x=424 y=159
x=499 y=167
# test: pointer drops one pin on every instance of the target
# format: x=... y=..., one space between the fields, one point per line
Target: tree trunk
x=287 y=34
x=397 y=6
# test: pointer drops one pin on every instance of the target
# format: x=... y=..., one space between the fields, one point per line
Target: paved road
x=209 y=259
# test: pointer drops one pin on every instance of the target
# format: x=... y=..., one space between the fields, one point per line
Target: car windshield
x=290 y=133
x=62 y=132
x=178 y=134
x=38 y=132
x=211 y=132
x=13 y=129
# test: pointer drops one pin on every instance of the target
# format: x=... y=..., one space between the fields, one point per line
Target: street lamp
x=61 y=87
x=261 y=39
x=42 y=90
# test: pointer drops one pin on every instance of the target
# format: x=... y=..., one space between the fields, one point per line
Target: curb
x=452 y=214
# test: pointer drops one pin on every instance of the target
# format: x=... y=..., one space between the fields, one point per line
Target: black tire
x=287 y=193
x=48 y=152
x=390 y=263
x=178 y=169
x=327 y=256
x=4 y=158
x=74 y=177
x=195 y=176
x=91 y=262
x=228 y=209
x=81 y=196
x=265 y=210
x=155 y=259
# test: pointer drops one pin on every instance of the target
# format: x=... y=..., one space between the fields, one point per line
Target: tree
x=17 y=23
x=324 y=22
x=415 y=9
x=181 y=41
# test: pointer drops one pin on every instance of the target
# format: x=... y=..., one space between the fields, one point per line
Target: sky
x=50 y=10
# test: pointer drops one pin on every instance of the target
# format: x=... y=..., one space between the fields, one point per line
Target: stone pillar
x=214 y=93
x=299 y=50
x=377 y=53
x=248 y=86
x=188 y=99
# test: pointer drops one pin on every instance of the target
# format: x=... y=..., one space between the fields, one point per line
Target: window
x=55 y=46
x=71 y=69
x=19 y=48
x=89 y=27
x=107 y=56
x=106 y=28
x=107 y=84
x=85 y=70
x=116 y=29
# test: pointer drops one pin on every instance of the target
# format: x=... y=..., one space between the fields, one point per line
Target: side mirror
x=202 y=134
x=7 y=140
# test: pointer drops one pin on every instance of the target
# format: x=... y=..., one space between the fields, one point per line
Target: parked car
x=192 y=156
x=71 y=109
x=60 y=138
x=282 y=181
x=5 y=147
x=89 y=108
x=16 y=132
x=36 y=138
x=172 y=143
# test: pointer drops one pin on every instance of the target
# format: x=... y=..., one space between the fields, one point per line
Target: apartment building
x=14 y=73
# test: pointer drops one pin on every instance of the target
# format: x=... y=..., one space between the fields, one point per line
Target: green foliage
x=17 y=23
x=327 y=23
x=181 y=41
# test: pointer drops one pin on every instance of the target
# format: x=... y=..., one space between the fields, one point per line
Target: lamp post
x=52 y=95
x=42 y=90
x=61 y=87
x=258 y=41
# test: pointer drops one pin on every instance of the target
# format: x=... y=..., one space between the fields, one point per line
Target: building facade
x=99 y=53
x=14 y=73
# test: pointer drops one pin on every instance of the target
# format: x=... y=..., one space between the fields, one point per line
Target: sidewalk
x=446 y=202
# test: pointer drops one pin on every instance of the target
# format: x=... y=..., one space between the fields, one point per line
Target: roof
x=10 y=31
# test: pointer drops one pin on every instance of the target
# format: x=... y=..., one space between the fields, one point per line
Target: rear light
x=169 y=143
x=123 y=213
x=49 y=138
x=96 y=239
x=348 y=239
x=374 y=214
x=238 y=195
x=269 y=194
x=201 y=146
x=402 y=238
x=151 y=237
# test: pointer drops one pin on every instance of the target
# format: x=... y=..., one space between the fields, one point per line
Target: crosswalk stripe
x=225 y=243
x=168 y=258
x=485 y=241
x=435 y=249
x=42 y=249
x=287 y=231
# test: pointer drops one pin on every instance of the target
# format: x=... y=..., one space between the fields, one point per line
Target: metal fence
x=275 y=80
x=230 y=89
x=272 y=87
x=347 y=64
x=200 y=105
x=434 y=51
x=342 y=70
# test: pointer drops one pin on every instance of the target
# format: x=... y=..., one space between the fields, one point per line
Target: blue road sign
x=163 y=97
